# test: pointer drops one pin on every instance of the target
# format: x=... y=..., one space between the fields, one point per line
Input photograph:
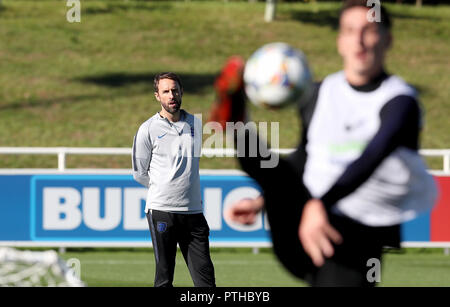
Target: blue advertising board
x=109 y=208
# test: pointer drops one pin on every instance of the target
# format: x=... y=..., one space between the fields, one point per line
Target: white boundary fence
x=62 y=153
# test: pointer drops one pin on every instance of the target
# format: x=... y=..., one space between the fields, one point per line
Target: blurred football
x=276 y=75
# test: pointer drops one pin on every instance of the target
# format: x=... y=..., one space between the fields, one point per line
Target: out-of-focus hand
x=245 y=210
x=316 y=233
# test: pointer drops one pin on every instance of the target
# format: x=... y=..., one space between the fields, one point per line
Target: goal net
x=35 y=268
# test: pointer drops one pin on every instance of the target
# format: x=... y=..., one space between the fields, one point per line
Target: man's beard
x=172 y=109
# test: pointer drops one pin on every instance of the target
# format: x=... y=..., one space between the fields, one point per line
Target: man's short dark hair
x=166 y=75
x=385 y=19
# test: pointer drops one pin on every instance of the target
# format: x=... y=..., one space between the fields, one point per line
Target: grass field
x=89 y=84
x=242 y=268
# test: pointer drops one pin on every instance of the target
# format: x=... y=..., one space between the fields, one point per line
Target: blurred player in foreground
x=356 y=176
x=166 y=154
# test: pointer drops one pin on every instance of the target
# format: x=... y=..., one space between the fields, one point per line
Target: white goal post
x=35 y=268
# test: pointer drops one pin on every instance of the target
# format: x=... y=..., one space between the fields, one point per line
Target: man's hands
x=316 y=233
x=245 y=210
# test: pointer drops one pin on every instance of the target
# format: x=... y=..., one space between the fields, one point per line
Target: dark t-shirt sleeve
x=400 y=118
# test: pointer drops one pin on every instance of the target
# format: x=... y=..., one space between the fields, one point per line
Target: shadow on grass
x=34 y=102
x=113 y=7
x=326 y=18
x=192 y=83
x=330 y=17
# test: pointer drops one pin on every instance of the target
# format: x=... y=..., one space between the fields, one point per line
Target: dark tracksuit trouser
x=285 y=195
x=191 y=232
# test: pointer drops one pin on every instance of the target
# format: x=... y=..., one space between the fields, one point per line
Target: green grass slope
x=90 y=83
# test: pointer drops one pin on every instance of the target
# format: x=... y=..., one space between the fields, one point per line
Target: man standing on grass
x=166 y=154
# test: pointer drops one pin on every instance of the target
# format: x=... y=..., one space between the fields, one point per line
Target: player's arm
x=141 y=156
x=400 y=120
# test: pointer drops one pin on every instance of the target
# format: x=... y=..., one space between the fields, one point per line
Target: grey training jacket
x=165 y=159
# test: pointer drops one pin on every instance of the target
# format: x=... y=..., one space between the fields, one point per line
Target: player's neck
x=171 y=117
x=367 y=82
x=359 y=79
